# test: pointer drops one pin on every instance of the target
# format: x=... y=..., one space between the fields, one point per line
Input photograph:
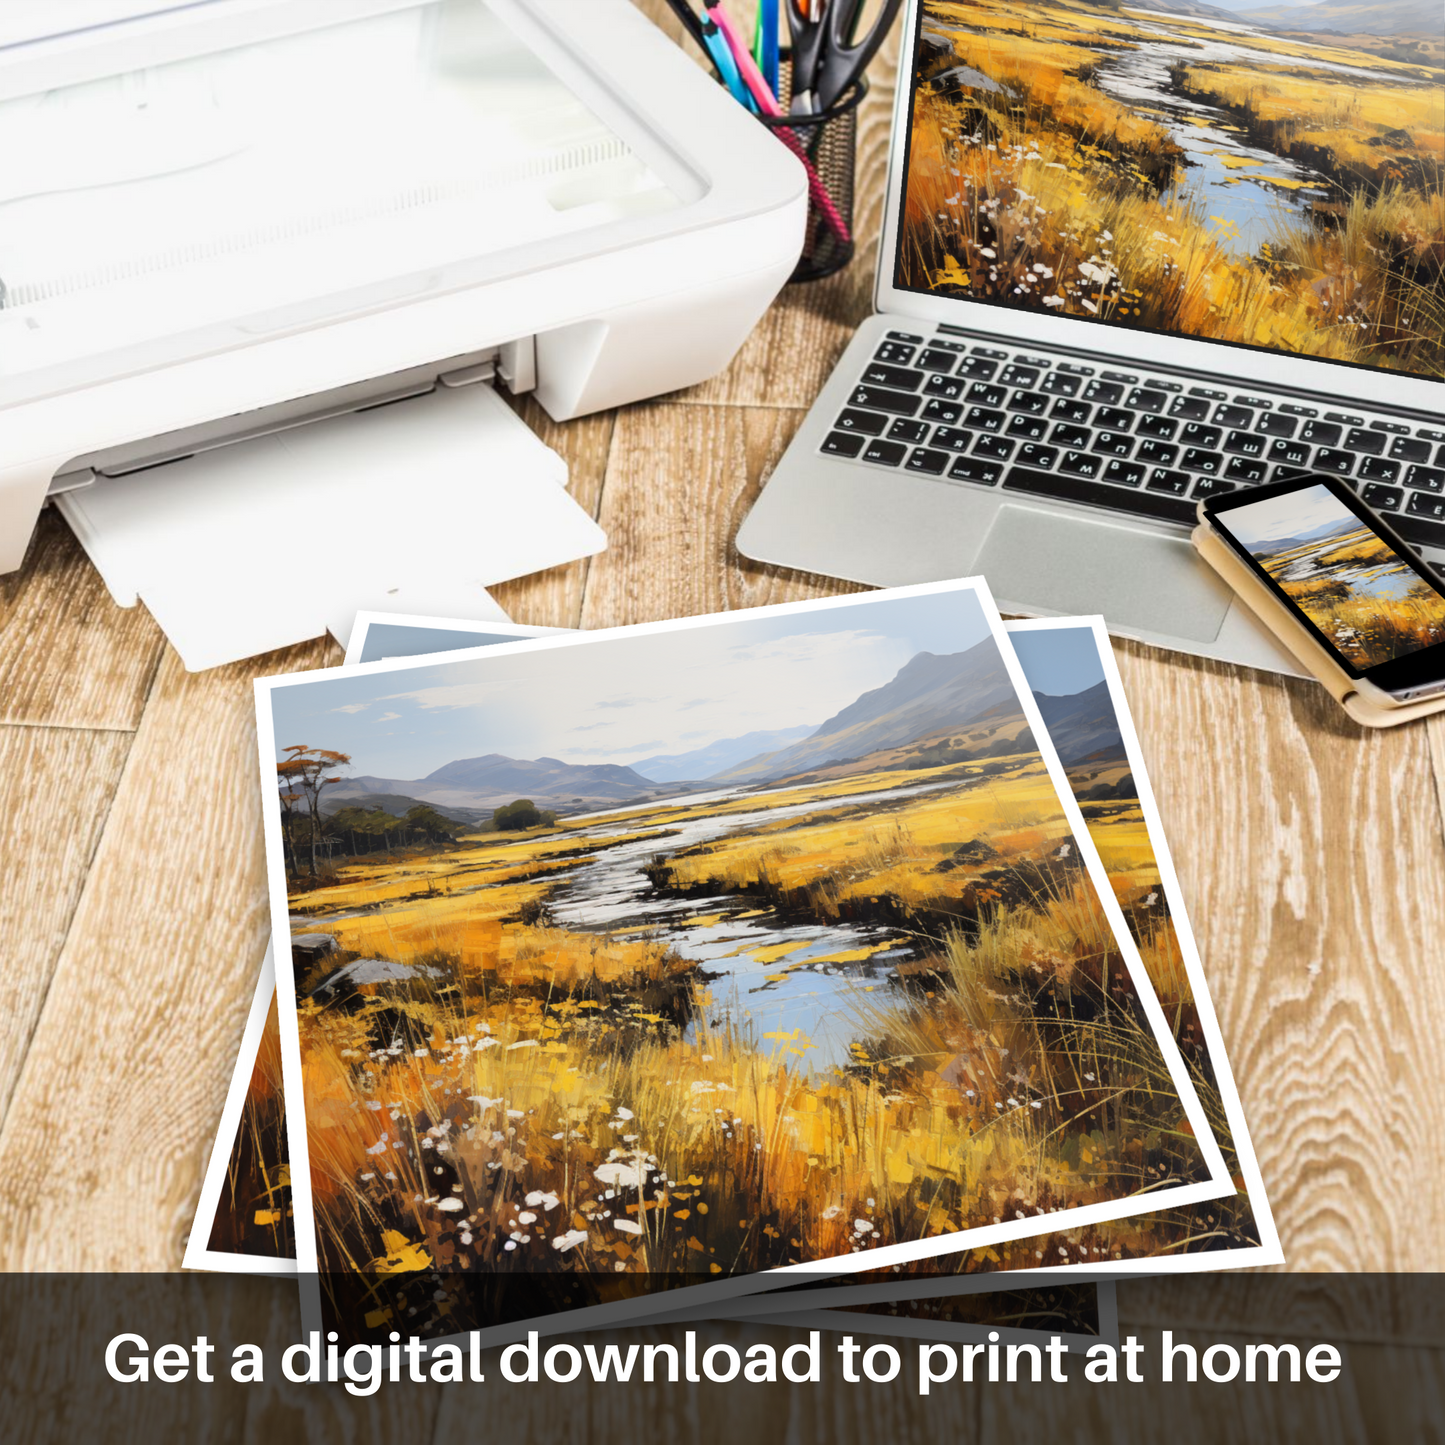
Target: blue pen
x=727 y=67
x=768 y=59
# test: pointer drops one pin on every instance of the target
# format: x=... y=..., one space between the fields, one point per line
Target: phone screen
x=1366 y=597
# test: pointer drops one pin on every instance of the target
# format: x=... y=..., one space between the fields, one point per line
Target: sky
x=618 y=701
x=1059 y=661
x=1290 y=515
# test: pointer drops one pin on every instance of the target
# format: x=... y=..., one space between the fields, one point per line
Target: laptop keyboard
x=1142 y=444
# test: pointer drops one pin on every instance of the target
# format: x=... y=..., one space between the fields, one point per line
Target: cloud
x=624 y=702
x=698 y=702
x=388 y=717
x=352 y=707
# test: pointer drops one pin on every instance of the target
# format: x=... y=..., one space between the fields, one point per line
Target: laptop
x=1131 y=258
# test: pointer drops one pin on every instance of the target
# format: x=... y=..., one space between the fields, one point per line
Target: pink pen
x=768 y=105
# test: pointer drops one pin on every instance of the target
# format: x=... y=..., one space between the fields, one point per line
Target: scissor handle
x=842 y=60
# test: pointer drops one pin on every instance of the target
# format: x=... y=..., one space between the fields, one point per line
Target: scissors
x=827 y=55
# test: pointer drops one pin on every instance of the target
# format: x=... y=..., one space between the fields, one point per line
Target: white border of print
x=365 y=621
x=1215 y=1186
x=198 y=1254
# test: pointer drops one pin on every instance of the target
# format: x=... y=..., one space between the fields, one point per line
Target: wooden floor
x=133 y=911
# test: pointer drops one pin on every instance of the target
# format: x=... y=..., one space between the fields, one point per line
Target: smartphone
x=1375 y=608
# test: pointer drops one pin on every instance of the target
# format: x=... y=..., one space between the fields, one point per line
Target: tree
x=432 y=825
x=302 y=774
x=523 y=813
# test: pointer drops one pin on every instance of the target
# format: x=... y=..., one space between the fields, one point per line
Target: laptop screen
x=1266 y=177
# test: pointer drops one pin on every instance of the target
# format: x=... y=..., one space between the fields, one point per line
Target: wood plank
x=69 y=657
x=1312 y=860
x=116 y=1106
x=56 y=786
x=554 y=598
x=679 y=482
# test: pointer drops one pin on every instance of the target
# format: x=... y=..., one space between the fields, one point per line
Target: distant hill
x=1082 y=724
x=719 y=756
x=1349 y=17
x=489 y=781
x=928 y=694
x=397 y=805
x=1315 y=534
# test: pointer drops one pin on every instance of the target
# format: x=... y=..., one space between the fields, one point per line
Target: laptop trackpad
x=1071 y=565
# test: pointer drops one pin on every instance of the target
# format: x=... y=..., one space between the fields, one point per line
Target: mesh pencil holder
x=827 y=145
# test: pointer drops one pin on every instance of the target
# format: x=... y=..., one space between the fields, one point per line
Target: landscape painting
x=1273 y=176
x=701 y=950
x=1369 y=603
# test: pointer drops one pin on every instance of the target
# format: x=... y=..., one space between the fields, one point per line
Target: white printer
x=222 y=221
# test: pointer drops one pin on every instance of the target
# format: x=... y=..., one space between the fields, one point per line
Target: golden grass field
x=1366 y=628
x=1049 y=193
x=531 y=1098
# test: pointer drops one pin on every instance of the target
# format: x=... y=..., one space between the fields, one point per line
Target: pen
x=688 y=16
x=724 y=57
x=765 y=42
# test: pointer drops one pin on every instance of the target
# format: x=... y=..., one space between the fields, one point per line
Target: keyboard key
x=1344 y=418
x=1124 y=474
x=905 y=336
x=1107 y=392
x=1288 y=453
x=986 y=395
x=1212 y=486
x=1322 y=433
x=1127 y=377
x=1227 y=415
x=1422 y=504
x=991 y=351
x=1244 y=469
x=1382 y=499
x=998 y=449
x=1208 y=393
x=876 y=373
x=981 y=419
x=867 y=422
x=978 y=368
x=1112 y=444
x=1294 y=410
x=1156 y=454
x=1408 y=449
x=1143 y=398
x=1040 y=457
x=953 y=438
x=1071 y=436
x=945 y=411
x=1081 y=464
x=1425 y=479
x=948 y=387
x=1440 y=457
x=1417 y=531
x=1395 y=428
x=935 y=360
x=1033 y=428
x=1035 y=403
x=1163 y=480
x=878 y=398
x=1376 y=469
x=1114 y=418
x=1016 y=375
x=1190 y=408
x=923 y=459
x=906 y=430
x=1244 y=444
x=1065 y=410
x=972 y=469
x=1156 y=426
x=886 y=454
x=843 y=444
x=1074 y=369
x=959 y=347
x=1369 y=442
x=1060 y=383
x=1430 y=434
x=1195 y=435
x=1256 y=401
x=1199 y=460
x=1332 y=459
x=1099 y=494
x=895 y=353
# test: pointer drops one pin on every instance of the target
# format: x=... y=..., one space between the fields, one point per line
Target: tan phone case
x=1298 y=639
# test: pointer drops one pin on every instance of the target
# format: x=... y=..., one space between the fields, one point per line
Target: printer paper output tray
x=415 y=506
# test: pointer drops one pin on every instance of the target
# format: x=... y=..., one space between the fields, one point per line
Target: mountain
x=488 y=782
x=1191 y=7
x=1081 y=723
x=1315 y=534
x=928 y=694
x=718 y=757
x=1350 y=17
